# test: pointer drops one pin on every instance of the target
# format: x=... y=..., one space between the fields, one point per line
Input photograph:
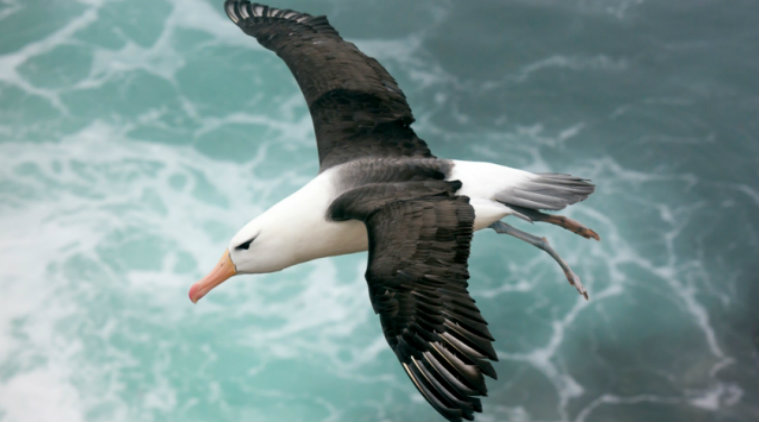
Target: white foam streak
x=102 y=233
x=160 y=58
x=10 y=62
x=543 y=359
x=328 y=308
x=9 y=8
x=561 y=62
x=681 y=277
x=21 y=397
x=612 y=399
x=619 y=9
x=408 y=52
x=80 y=205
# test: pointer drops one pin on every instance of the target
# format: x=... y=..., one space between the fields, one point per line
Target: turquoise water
x=137 y=136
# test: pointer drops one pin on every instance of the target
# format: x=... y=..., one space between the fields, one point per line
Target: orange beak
x=222 y=271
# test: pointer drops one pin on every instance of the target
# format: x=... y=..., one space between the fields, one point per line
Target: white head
x=294 y=230
x=261 y=246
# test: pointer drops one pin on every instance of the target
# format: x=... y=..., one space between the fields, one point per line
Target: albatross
x=380 y=188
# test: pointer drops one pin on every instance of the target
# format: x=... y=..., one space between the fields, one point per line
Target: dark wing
x=417 y=276
x=356 y=106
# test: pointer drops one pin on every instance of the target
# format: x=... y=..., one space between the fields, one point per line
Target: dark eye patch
x=245 y=245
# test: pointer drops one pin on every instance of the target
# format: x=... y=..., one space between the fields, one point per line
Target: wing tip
x=232 y=8
x=450 y=405
x=240 y=11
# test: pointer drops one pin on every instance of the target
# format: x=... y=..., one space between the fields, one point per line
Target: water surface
x=137 y=136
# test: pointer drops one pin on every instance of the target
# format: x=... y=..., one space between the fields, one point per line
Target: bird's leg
x=542 y=243
x=567 y=223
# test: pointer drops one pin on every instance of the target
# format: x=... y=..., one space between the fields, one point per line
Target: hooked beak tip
x=193 y=294
x=224 y=269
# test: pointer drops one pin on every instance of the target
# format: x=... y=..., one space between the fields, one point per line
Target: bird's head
x=250 y=251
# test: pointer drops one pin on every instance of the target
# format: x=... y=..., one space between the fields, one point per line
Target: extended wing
x=417 y=276
x=356 y=106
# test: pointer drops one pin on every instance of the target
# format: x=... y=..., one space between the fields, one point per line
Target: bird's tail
x=548 y=191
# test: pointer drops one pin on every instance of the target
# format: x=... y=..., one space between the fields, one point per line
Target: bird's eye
x=245 y=245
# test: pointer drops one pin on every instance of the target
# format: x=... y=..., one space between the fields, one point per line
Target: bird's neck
x=299 y=230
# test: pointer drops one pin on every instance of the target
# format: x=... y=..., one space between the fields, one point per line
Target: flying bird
x=380 y=188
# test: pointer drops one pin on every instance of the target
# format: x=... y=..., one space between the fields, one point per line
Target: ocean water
x=137 y=136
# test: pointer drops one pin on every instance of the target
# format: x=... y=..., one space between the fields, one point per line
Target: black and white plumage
x=380 y=188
